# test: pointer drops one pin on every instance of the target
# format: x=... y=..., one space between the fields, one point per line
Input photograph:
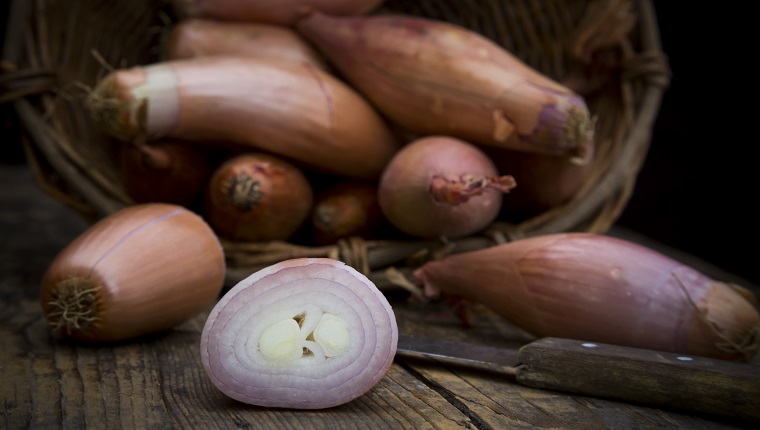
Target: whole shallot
x=600 y=288
x=441 y=186
x=291 y=109
x=254 y=196
x=435 y=77
x=140 y=270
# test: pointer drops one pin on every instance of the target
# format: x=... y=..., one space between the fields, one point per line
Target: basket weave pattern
x=608 y=49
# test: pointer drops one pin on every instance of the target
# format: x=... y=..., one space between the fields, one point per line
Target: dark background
x=697 y=188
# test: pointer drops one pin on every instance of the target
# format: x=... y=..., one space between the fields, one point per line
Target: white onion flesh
x=306 y=333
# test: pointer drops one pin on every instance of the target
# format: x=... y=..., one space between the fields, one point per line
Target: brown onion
x=257 y=197
x=294 y=110
x=599 y=288
x=282 y=12
x=303 y=333
x=441 y=186
x=206 y=37
x=435 y=77
x=138 y=271
x=167 y=171
x=346 y=209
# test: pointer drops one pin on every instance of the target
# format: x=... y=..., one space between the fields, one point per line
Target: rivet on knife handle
x=688 y=383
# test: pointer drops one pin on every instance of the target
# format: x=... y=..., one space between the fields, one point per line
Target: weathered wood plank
x=194 y=401
x=499 y=403
x=159 y=382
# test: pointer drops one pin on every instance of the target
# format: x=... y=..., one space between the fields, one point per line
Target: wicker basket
x=58 y=48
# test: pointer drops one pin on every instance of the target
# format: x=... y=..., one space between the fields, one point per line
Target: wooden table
x=159 y=383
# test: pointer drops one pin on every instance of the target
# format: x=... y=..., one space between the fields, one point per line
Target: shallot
x=206 y=37
x=257 y=197
x=435 y=77
x=441 y=186
x=346 y=209
x=600 y=288
x=547 y=181
x=291 y=109
x=140 y=270
x=307 y=333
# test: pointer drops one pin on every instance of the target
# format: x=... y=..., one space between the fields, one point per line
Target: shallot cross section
x=306 y=333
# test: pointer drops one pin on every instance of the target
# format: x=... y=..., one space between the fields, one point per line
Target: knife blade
x=655 y=378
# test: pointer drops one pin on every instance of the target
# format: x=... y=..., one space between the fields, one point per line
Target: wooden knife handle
x=689 y=383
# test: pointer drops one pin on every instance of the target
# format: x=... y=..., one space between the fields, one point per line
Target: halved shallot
x=600 y=288
x=435 y=77
x=307 y=333
x=294 y=110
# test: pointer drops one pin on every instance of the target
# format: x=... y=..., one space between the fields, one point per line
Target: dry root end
x=112 y=113
x=579 y=131
x=747 y=347
x=243 y=191
x=74 y=305
x=326 y=218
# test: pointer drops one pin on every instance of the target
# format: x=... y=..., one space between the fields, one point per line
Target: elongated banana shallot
x=435 y=77
x=604 y=289
x=293 y=110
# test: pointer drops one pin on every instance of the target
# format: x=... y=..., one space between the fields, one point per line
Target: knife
x=684 y=382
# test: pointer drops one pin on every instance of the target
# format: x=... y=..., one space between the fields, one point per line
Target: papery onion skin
x=256 y=196
x=441 y=186
x=141 y=270
x=238 y=368
x=282 y=12
x=293 y=110
x=599 y=288
x=205 y=37
x=435 y=77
